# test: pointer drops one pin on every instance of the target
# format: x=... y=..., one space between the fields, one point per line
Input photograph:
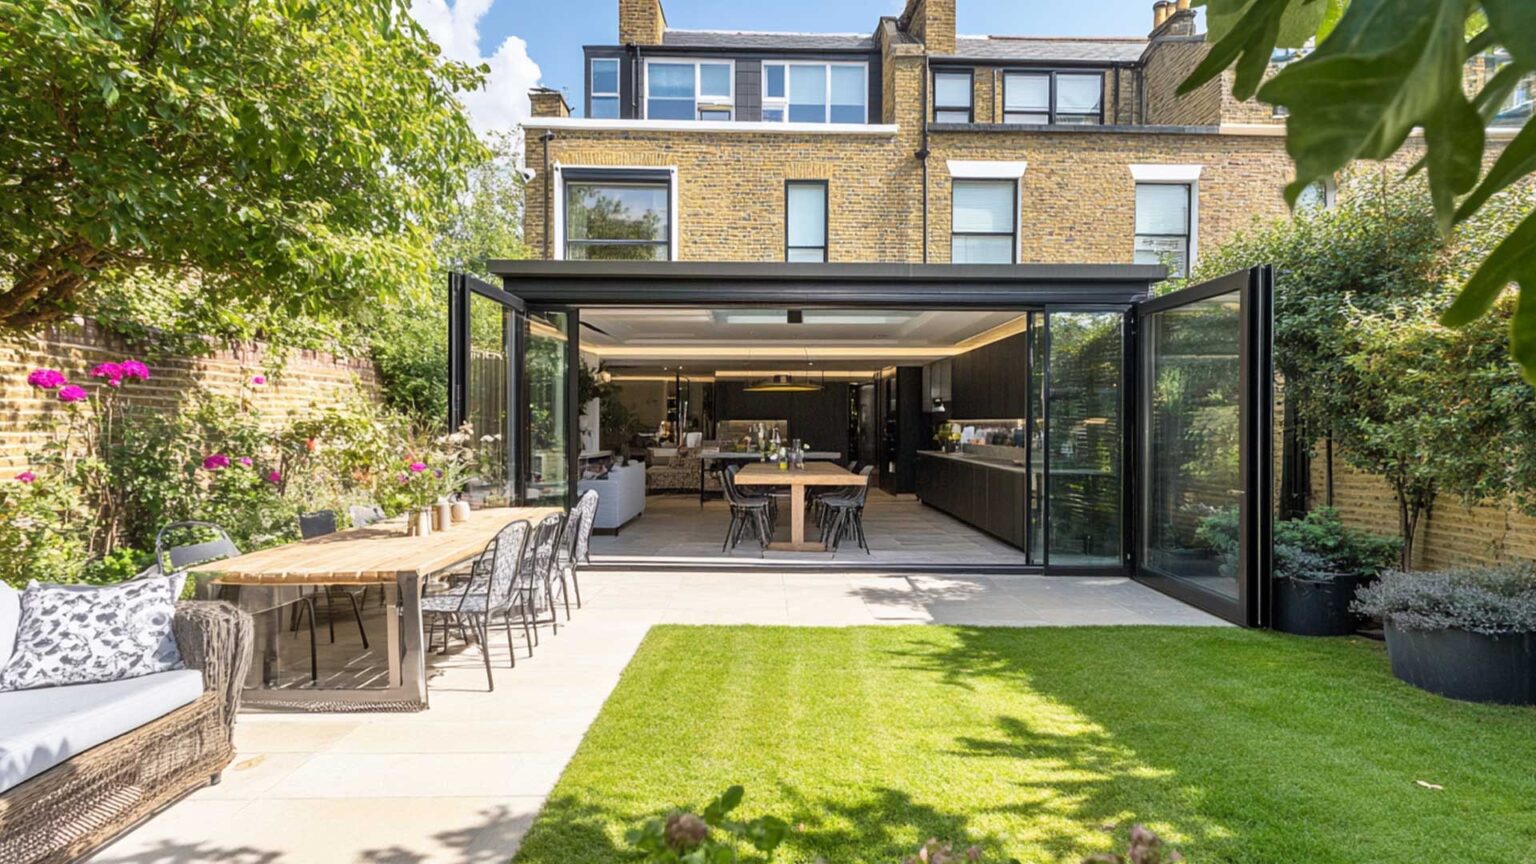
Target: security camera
x=527 y=174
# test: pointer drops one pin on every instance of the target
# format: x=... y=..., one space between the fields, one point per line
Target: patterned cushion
x=82 y=635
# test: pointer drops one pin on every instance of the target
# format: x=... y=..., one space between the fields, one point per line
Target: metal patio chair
x=543 y=556
x=319 y=524
x=172 y=559
x=496 y=587
x=576 y=553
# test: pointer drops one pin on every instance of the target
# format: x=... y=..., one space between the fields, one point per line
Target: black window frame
x=970 y=90
x=602 y=177
x=826 y=219
x=1015 y=235
x=1053 y=113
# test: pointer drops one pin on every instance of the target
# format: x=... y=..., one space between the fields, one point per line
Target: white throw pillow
x=72 y=634
x=10 y=620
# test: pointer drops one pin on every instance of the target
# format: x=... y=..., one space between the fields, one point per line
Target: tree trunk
x=41 y=288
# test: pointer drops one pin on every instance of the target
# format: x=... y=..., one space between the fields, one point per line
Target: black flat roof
x=936 y=286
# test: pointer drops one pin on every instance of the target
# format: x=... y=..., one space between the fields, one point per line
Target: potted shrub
x=1319 y=563
x=1466 y=633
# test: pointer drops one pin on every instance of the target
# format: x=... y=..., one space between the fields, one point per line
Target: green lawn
x=1240 y=746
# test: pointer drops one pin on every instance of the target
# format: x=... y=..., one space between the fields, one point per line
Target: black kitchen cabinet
x=991 y=498
x=903 y=429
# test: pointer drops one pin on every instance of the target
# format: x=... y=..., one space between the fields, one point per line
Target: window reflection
x=1085 y=445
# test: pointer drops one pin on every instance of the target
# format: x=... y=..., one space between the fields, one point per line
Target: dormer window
x=1053 y=97
x=681 y=90
x=605 y=88
x=815 y=92
x=952 y=97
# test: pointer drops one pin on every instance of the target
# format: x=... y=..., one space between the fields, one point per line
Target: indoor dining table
x=811 y=474
x=381 y=555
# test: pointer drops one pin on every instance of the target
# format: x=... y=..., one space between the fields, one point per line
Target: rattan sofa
x=83 y=803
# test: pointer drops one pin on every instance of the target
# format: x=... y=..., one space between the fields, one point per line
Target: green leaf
x=1516 y=162
x=1513 y=259
x=1522 y=327
x=1514 y=22
x=1331 y=19
x=1389 y=66
x=1454 y=139
x=1249 y=43
x=731 y=799
x=1301 y=22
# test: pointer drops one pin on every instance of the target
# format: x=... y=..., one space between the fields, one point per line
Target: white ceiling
x=704 y=340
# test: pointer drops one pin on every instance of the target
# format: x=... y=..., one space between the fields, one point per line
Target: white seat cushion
x=44 y=727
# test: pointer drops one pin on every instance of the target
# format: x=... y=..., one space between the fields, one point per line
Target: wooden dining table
x=797 y=479
x=384 y=555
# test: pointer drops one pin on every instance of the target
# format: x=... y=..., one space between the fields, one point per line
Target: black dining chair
x=319 y=524
x=747 y=511
x=846 y=515
x=172 y=559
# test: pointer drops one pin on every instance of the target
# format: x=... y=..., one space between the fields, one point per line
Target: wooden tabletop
x=813 y=474
x=364 y=556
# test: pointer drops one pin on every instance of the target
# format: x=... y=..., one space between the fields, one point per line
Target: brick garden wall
x=307 y=379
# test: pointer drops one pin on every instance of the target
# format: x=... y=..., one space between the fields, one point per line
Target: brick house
x=1056 y=149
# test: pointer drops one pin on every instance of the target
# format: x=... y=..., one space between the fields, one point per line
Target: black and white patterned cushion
x=72 y=634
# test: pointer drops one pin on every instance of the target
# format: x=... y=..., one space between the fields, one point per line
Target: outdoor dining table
x=812 y=474
x=383 y=555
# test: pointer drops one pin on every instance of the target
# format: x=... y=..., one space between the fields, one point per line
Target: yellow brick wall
x=1168 y=64
x=307 y=379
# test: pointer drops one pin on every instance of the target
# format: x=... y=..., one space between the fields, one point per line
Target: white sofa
x=620 y=496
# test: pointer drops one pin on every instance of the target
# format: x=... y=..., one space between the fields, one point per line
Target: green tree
x=1382 y=68
x=1365 y=360
x=296 y=151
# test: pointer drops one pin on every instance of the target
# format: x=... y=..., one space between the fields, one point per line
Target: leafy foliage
x=294 y=151
x=1382 y=68
x=1488 y=600
x=1367 y=363
x=684 y=838
x=1317 y=547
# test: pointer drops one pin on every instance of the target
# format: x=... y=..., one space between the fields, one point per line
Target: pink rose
x=135 y=370
x=26 y=477
x=47 y=379
x=215 y=462
x=258 y=380
x=245 y=461
x=418 y=467
x=274 y=478
x=73 y=393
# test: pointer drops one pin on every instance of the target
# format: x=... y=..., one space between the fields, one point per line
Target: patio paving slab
x=462 y=781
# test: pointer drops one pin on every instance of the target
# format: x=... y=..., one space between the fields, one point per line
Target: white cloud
x=503 y=102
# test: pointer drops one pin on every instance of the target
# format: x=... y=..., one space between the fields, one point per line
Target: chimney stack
x=931 y=22
x=641 y=22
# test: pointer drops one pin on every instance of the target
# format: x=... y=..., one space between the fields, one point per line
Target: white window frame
x=965 y=169
x=781 y=103
x=701 y=102
x=617 y=83
x=559 y=169
x=1175 y=175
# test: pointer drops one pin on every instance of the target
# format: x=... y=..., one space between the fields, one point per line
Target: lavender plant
x=1488 y=600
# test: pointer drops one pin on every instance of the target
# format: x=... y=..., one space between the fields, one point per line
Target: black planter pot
x=1462 y=665
x=1315 y=608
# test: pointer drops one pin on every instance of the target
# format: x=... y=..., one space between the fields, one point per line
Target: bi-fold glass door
x=1205 y=445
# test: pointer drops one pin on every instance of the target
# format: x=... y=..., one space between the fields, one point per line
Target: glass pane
x=981 y=249
x=487 y=400
x=545 y=359
x=1026 y=118
x=1036 y=437
x=669 y=109
x=1314 y=197
x=951 y=116
x=1193 y=424
x=807 y=214
x=808 y=94
x=1162 y=208
x=773 y=115
x=773 y=81
x=605 y=107
x=1170 y=251
x=605 y=76
x=616 y=212
x=1027 y=93
x=984 y=206
x=952 y=89
x=848 y=94
x=608 y=252
x=715 y=80
x=815 y=256
x=714 y=114
x=1083 y=425
x=1079 y=94
x=669 y=80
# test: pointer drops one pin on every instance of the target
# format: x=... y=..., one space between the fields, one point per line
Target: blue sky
x=539 y=41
